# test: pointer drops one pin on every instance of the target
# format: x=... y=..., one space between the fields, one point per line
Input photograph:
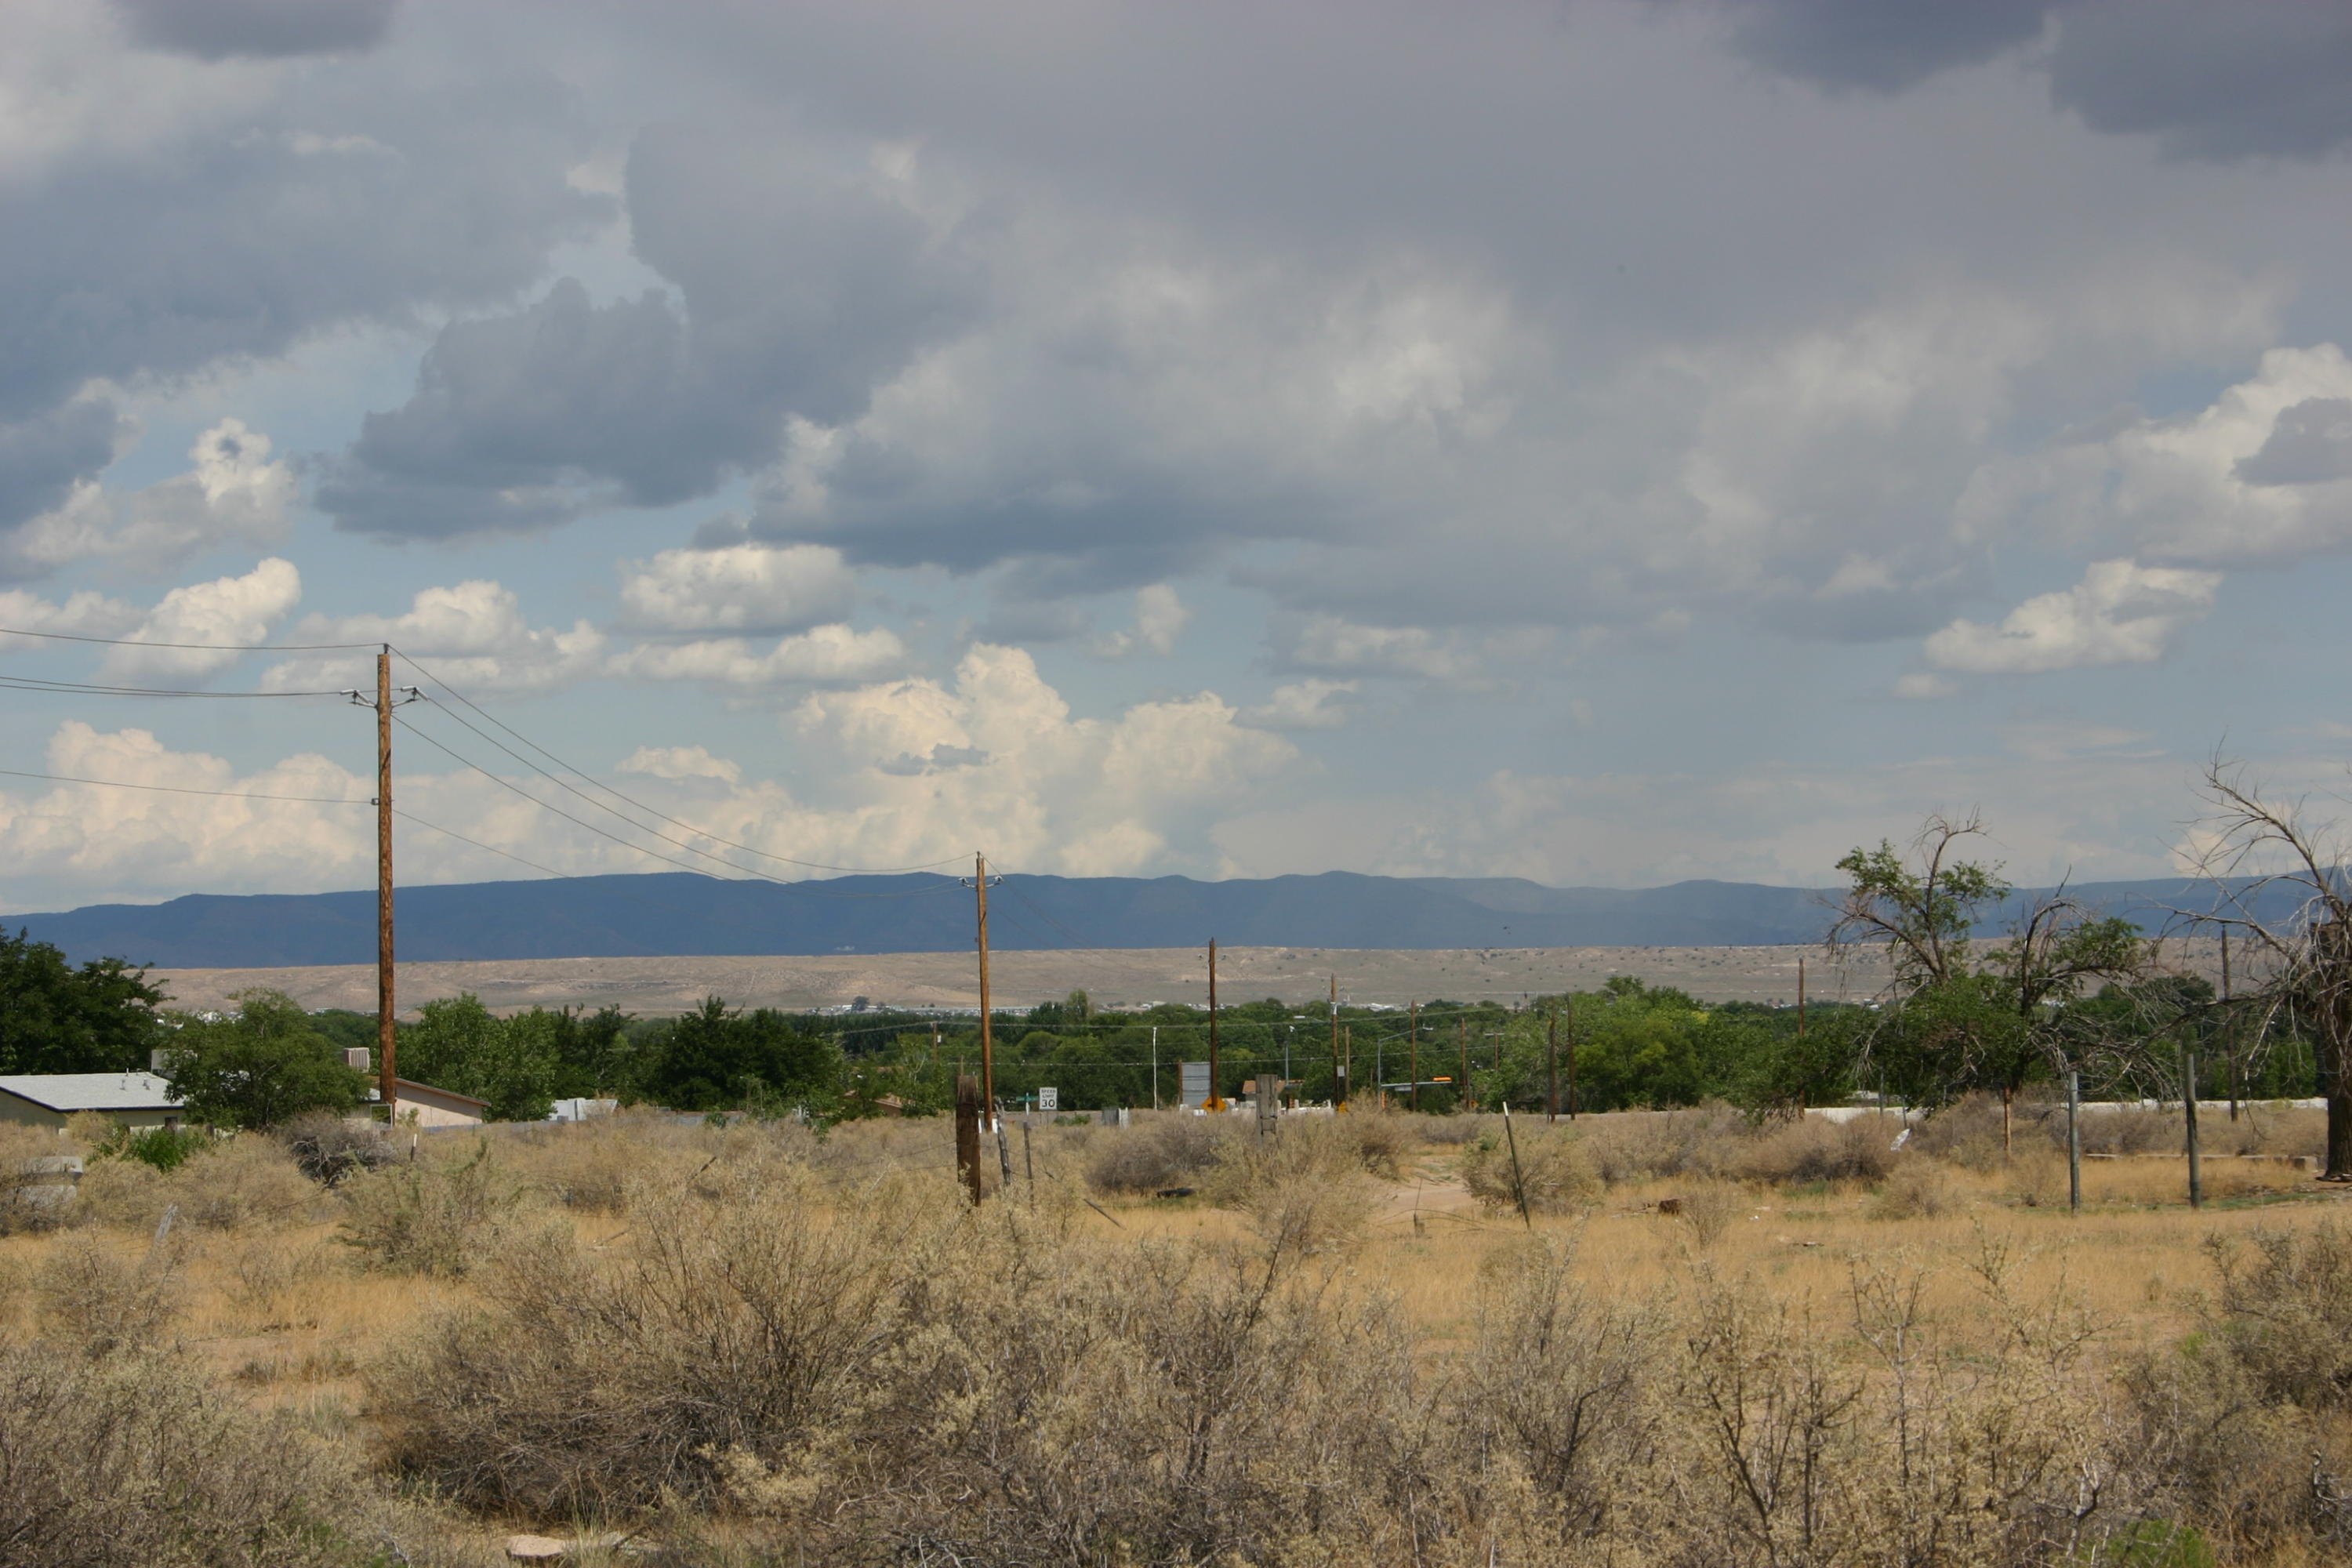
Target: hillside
x=681 y=914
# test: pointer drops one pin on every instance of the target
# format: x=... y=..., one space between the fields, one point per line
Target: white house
x=47 y=1099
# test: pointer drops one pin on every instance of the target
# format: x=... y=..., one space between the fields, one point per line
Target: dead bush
x=327 y=1147
x=1917 y=1190
x=1554 y=1166
x=1172 y=1148
x=1557 y=1393
x=140 y=1458
x=2131 y=1130
x=248 y=1180
x=1710 y=1208
x=99 y=1298
x=2284 y=1312
x=1459 y=1127
x=430 y=1217
x=1812 y=1150
x=1303 y=1188
x=1644 y=1145
x=1383 y=1139
x=35 y=1193
x=742 y=1318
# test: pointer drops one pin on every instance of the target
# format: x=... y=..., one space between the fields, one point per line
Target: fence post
x=967 y=1114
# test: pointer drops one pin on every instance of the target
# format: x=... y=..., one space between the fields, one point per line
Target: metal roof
x=92 y=1090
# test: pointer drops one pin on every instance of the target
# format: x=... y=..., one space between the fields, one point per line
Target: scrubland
x=1703 y=1342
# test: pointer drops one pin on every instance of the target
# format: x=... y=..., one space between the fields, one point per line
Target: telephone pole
x=1571 y=1061
x=1800 y=998
x=1339 y=1063
x=987 y=1044
x=1551 y=1069
x=1215 y=1101
x=1413 y=1056
x=1463 y=1097
x=388 y=1076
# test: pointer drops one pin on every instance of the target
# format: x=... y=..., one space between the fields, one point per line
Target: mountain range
x=681 y=914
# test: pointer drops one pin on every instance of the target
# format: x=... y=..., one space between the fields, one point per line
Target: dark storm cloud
x=338 y=205
x=42 y=457
x=2310 y=443
x=219 y=30
x=1881 y=46
x=797 y=294
x=2252 y=79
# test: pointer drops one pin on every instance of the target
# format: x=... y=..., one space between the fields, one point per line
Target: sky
x=1603 y=442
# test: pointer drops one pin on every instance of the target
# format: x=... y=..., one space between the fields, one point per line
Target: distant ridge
x=679 y=914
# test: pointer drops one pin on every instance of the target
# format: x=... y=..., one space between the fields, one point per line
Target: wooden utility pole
x=1464 y=1096
x=1800 y=998
x=1339 y=1063
x=387 y=1071
x=1551 y=1070
x=1571 y=1061
x=1413 y=1054
x=1215 y=1101
x=987 y=1042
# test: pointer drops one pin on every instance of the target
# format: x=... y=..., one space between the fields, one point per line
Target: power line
x=179 y=789
x=206 y=646
x=85 y=689
x=749 y=872
x=492 y=848
x=641 y=805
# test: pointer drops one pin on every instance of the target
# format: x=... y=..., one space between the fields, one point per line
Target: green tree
x=54 y=1017
x=458 y=1044
x=259 y=1066
x=718 y=1058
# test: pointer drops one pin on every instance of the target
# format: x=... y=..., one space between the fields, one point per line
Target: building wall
x=23 y=1112
x=425 y=1110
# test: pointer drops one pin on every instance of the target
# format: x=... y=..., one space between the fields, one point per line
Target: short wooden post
x=2074 y=1142
x=1519 y=1178
x=2188 y=1112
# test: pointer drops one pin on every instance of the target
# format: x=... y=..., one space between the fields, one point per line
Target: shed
x=421 y=1105
x=45 y=1100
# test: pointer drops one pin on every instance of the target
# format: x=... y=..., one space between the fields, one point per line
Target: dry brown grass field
x=1707 y=1342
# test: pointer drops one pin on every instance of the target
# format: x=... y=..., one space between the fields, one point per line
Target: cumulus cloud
x=1160 y=617
x=226 y=611
x=1328 y=643
x=737 y=588
x=2256 y=478
x=822 y=655
x=473 y=634
x=677 y=762
x=1312 y=704
x=233 y=493
x=85 y=614
x=2120 y=613
x=137 y=842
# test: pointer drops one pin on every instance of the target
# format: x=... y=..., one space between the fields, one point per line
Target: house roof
x=66 y=1092
x=405 y=1086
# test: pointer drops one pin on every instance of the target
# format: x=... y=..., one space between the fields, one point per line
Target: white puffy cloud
x=473 y=634
x=737 y=588
x=232 y=493
x=1330 y=642
x=997 y=762
x=226 y=610
x=84 y=614
x=1310 y=704
x=1160 y=617
x=824 y=655
x=137 y=843
x=2262 y=476
x=2120 y=613
x=676 y=763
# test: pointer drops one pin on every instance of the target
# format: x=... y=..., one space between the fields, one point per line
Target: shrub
x=1709 y=1208
x=327 y=1147
x=429 y=1217
x=2284 y=1312
x=1460 y=1128
x=140 y=1458
x=1638 y=1146
x=1170 y=1149
x=1812 y=1150
x=99 y=1299
x=1383 y=1137
x=32 y=1195
x=1304 y=1189
x=243 y=1181
x=1558 y=1172
x=1916 y=1190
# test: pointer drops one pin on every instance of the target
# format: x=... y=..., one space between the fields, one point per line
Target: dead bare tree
x=2253 y=845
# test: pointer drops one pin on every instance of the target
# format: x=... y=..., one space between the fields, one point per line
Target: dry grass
x=758 y=1345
